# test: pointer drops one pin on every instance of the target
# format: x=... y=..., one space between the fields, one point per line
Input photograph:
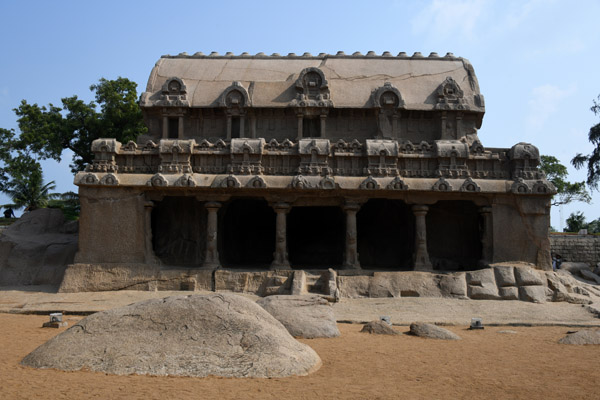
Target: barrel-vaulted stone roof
x=351 y=80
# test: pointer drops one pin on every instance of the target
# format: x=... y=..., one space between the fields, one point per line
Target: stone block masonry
x=576 y=248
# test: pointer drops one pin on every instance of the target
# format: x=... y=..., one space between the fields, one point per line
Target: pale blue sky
x=536 y=61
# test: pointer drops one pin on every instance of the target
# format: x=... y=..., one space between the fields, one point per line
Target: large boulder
x=36 y=249
x=587 y=336
x=198 y=335
x=431 y=331
x=306 y=317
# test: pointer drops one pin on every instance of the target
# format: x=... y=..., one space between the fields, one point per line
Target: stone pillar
x=165 y=132
x=351 y=249
x=211 y=261
x=421 y=257
x=229 y=127
x=486 y=235
x=149 y=257
x=323 y=126
x=300 y=117
x=242 y=123
x=180 y=128
x=280 y=257
x=253 y=126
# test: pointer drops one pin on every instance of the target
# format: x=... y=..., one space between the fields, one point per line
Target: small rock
x=508 y=332
x=587 y=336
x=432 y=331
x=379 y=328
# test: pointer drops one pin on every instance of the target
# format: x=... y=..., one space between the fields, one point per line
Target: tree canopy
x=47 y=131
x=593 y=159
x=566 y=191
x=577 y=222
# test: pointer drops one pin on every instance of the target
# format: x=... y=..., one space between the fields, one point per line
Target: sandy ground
x=528 y=364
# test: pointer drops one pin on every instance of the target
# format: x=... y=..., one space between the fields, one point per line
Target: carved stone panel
x=382 y=157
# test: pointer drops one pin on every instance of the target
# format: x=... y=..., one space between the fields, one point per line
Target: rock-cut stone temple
x=343 y=163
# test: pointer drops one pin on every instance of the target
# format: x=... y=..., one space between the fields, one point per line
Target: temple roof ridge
x=339 y=54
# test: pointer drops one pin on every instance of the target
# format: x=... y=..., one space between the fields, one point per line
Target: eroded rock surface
x=431 y=331
x=586 y=336
x=304 y=316
x=36 y=249
x=379 y=328
x=200 y=335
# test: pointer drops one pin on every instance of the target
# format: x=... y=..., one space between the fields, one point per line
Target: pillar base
x=351 y=266
x=210 y=266
x=280 y=266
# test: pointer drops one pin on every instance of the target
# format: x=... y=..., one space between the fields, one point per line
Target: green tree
x=47 y=131
x=68 y=202
x=575 y=222
x=27 y=188
x=593 y=159
x=566 y=191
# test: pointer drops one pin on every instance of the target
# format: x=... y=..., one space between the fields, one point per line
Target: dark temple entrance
x=453 y=236
x=385 y=235
x=315 y=237
x=247 y=234
x=179 y=231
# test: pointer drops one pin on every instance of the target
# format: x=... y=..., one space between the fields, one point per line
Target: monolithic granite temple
x=255 y=164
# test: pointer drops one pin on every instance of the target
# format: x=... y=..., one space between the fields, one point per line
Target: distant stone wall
x=576 y=248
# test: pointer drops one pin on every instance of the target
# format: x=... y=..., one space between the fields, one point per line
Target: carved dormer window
x=450 y=96
x=174 y=93
x=235 y=100
x=312 y=103
x=387 y=100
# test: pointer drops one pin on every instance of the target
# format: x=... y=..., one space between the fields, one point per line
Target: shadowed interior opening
x=453 y=235
x=315 y=237
x=247 y=234
x=179 y=231
x=385 y=235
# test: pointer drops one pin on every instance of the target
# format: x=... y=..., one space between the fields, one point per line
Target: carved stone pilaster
x=351 y=249
x=149 y=257
x=486 y=235
x=280 y=257
x=211 y=261
x=421 y=256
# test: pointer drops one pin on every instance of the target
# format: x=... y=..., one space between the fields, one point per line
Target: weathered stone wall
x=576 y=248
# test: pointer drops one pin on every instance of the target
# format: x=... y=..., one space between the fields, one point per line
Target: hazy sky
x=537 y=61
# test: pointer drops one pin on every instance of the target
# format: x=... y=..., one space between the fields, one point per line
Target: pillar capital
x=350 y=205
x=485 y=209
x=281 y=206
x=420 y=208
x=212 y=205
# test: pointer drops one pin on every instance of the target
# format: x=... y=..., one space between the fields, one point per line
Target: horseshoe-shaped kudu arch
x=332 y=174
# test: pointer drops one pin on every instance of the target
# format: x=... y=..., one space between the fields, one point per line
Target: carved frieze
x=185 y=180
x=175 y=156
x=314 y=155
x=230 y=182
x=520 y=187
x=452 y=158
x=89 y=179
x=397 y=184
x=256 y=182
x=370 y=184
x=300 y=182
x=246 y=156
x=442 y=185
x=109 y=180
x=469 y=185
x=382 y=157
x=158 y=180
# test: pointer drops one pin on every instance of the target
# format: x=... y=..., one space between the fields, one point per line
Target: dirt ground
x=528 y=364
